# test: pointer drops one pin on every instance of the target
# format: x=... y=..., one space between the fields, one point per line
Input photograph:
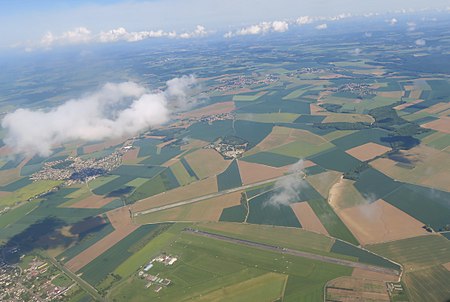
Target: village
x=37 y=281
x=229 y=147
x=240 y=82
x=74 y=170
x=156 y=281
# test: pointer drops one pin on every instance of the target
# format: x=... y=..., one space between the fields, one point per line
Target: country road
x=83 y=284
x=212 y=195
x=292 y=252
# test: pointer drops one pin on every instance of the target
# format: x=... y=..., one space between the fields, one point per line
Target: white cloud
x=420 y=42
x=287 y=189
x=78 y=35
x=393 y=21
x=322 y=26
x=304 y=20
x=121 y=34
x=200 y=31
x=115 y=110
x=260 y=28
x=81 y=35
x=280 y=26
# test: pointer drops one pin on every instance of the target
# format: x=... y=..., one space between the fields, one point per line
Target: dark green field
x=17 y=185
x=230 y=178
x=164 y=155
x=335 y=159
x=138 y=171
x=426 y=205
x=332 y=223
x=340 y=247
x=100 y=267
x=264 y=212
x=163 y=182
x=85 y=243
x=270 y=159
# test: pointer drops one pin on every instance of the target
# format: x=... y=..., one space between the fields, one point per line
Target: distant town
x=36 y=281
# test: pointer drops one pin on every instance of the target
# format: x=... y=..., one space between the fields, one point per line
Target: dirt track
x=292 y=252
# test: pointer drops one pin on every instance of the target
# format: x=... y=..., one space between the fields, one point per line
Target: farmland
x=341 y=149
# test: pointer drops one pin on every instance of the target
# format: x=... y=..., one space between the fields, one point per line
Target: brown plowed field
x=308 y=218
x=123 y=226
x=368 y=151
x=252 y=172
x=380 y=222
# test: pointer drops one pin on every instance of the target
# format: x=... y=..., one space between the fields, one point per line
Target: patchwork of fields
x=339 y=157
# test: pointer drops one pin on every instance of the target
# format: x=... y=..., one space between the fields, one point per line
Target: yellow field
x=268 y=287
x=277 y=117
x=431 y=167
x=29 y=191
x=206 y=210
x=349 y=118
x=206 y=162
x=344 y=195
x=195 y=189
x=181 y=174
x=324 y=181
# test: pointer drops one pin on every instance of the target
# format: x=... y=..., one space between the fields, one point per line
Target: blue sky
x=27 y=21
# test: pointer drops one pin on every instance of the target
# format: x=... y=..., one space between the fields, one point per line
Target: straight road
x=212 y=195
x=292 y=252
x=83 y=284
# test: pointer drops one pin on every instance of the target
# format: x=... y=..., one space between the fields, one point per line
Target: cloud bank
x=82 y=35
x=260 y=28
x=115 y=110
x=287 y=189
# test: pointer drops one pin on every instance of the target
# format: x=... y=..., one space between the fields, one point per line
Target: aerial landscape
x=305 y=159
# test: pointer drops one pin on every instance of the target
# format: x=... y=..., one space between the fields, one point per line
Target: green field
x=340 y=247
x=300 y=149
x=268 y=117
x=335 y=159
x=163 y=182
x=230 y=178
x=100 y=267
x=426 y=205
x=15 y=214
x=293 y=238
x=113 y=185
x=138 y=171
x=28 y=191
x=161 y=156
x=181 y=174
x=270 y=159
x=206 y=266
x=429 y=284
x=263 y=212
x=416 y=253
x=332 y=223
x=85 y=243
x=16 y=185
x=361 y=137
x=422 y=258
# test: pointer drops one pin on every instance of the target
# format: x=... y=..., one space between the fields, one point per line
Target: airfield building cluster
x=156 y=280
